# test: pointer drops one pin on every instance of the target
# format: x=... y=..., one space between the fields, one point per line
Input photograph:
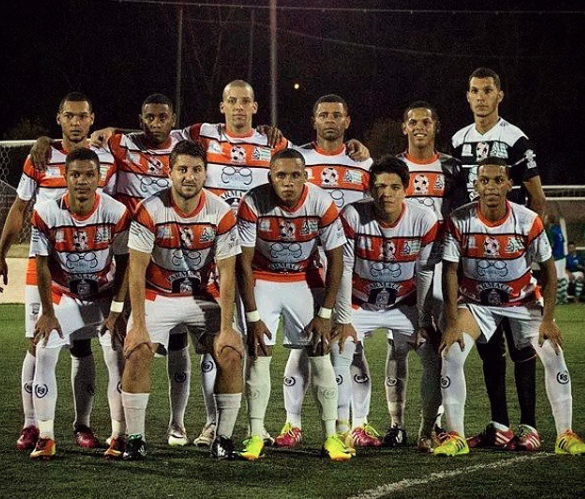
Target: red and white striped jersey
x=384 y=260
x=142 y=170
x=80 y=249
x=496 y=257
x=343 y=178
x=184 y=246
x=235 y=164
x=285 y=240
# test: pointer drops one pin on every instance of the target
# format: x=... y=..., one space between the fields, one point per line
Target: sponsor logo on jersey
x=466 y=151
x=80 y=240
x=207 y=235
x=499 y=150
x=309 y=227
x=53 y=171
x=238 y=155
x=491 y=247
x=482 y=150
x=529 y=155
x=421 y=184
x=410 y=248
x=102 y=234
x=329 y=176
x=287 y=229
x=164 y=232
x=264 y=225
x=352 y=177
x=261 y=153
x=514 y=244
x=59 y=236
x=214 y=147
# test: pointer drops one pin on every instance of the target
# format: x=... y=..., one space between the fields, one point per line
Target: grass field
x=190 y=473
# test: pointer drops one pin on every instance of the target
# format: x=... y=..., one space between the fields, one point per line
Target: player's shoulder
x=509 y=131
x=112 y=205
x=461 y=135
x=361 y=211
x=49 y=208
x=522 y=212
x=215 y=202
x=466 y=211
x=418 y=211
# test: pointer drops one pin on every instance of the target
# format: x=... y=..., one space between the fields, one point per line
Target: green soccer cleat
x=253 y=448
x=453 y=445
x=335 y=448
x=569 y=442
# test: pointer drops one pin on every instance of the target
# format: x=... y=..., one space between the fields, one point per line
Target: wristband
x=253 y=316
x=117 y=306
x=325 y=313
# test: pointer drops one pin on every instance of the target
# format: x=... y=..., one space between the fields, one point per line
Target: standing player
x=75 y=117
x=490 y=246
x=178 y=238
x=574 y=269
x=556 y=238
x=75 y=240
x=329 y=166
x=437 y=183
x=280 y=223
x=387 y=274
x=491 y=135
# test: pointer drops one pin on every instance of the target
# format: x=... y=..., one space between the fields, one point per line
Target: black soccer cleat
x=135 y=448
x=395 y=437
x=224 y=448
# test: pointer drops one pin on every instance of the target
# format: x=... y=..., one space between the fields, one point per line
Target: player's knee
x=32 y=348
x=80 y=348
x=522 y=353
x=493 y=351
x=178 y=341
x=229 y=359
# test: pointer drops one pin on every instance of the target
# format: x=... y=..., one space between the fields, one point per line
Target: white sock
x=453 y=385
x=341 y=366
x=114 y=361
x=396 y=381
x=361 y=388
x=26 y=389
x=135 y=412
x=228 y=406
x=325 y=389
x=430 y=387
x=83 y=385
x=45 y=389
x=179 y=373
x=258 y=388
x=558 y=385
x=295 y=383
x=208 y=375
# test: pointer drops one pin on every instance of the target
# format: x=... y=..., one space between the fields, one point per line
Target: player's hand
x=256 y=333
x=356 y=150
x=135 y=337
x=426 y=334
x=228 y=338
x=450 y=336
x=116 y=324
x=40 y=153
x=100 y=138
x=273 y=134
x=46 y=324
x=319 y=330
x=342 y=332
x=3 y=272
x=549 y=330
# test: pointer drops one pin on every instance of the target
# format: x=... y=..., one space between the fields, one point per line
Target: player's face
x=330 y=121
x=388 y=194
x=484 y=97
x=420 y=128
x=492 y=185
x=82 y=179
x=239 y=107
x=75 y=119
x=572 y=248
x=288 y=177
x=187 y=176
x=157 y=121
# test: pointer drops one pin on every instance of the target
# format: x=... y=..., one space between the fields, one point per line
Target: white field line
x=389 y=488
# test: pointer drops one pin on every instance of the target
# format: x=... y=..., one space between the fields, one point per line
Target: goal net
x=567 y=202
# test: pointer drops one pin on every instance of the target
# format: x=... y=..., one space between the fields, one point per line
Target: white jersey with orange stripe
x=285 y=240
x=383 y=260
x=235 y=164
x=496 y=258
x=344 y=179
x=80 y=249
x=184 y=246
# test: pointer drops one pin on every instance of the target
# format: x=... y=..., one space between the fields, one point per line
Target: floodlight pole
x=273 y=65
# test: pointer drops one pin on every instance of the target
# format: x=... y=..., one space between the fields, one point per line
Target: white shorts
x=79 y=320
x=577 y=275
x=524 y=321
x=32 y=307
x=401 y=319
x=164 y=313
x=561 y=265
x=295 y=302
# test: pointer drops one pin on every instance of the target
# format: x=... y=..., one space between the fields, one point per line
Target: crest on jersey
x=440 y=183
x=499 y=150
x=207 y=235
x=286 y=229
x=80 y=240
x=514 y=245
x=352 y=177
x=214 y=147
x=388 y=250
x=309 y=227
x=102 y=234
x=482 y=150
x=329 y=176
x=491 y=247
x=59 y=236
x=186 y=236
x=410 y=248
x=421 y=184
x=261 y=154
x=155 y=165
x=238 y=155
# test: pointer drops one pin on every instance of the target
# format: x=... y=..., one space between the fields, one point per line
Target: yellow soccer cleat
x=253 y=448
x=569 y=442
x=335 y=448
x=45 y=449
x=453 y=445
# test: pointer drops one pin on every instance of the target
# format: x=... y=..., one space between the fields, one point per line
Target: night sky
x=118 y=53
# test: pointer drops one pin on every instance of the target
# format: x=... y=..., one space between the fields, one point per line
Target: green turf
x=189 y=472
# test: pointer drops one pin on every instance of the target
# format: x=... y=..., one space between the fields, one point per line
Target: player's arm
x=40 y=152
x=450 y=292
x=12 y=227
x=548 y=329
x=47 y=322
x=537 y=199
x=100 y=138
x=356 y=150
x=343 y=314
x=115 y=322
x=227 y=338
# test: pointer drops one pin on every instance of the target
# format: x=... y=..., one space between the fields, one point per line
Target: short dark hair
x=188 y=148
x=421 y=104
x=389 y=164
x=158 y=99
x=75 y=97
x=287 y=154
x=331 y=98
x=486 y=73
x=82 y=154
x=492 y=160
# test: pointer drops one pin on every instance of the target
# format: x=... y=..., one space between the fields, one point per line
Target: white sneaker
x=206 y=437
x=177 y=437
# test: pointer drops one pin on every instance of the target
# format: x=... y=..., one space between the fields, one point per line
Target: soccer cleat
x=116 y=448
x=28 y=438
x=441 y=433
x=526 y=439
x=45 y=449
x=289 y=437
x=395 y=437
x=268 y=439
x=454 y=445
x=429 y=444
x=223 y=447
x=135 y=448
x=363 y=436
x=205 y=438
x=335 y=448
x=253 y=448
x=491 y=437
x=177 y=437
x=569 y=442
x=85 y=437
